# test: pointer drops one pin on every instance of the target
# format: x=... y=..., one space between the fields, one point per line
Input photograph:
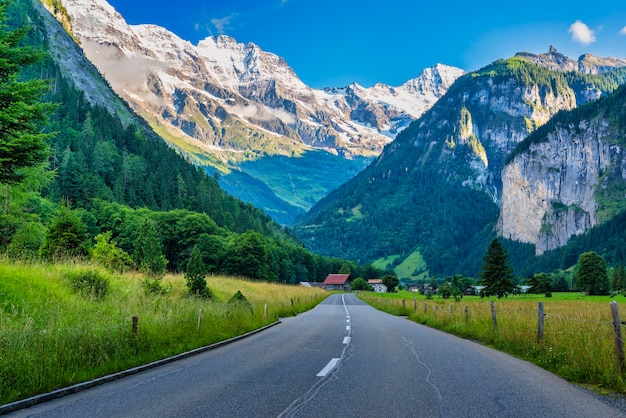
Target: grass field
x=578 y=341
x=53 y=337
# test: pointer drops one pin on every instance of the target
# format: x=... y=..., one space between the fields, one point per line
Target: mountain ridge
x=225 y=103
x=437 y=188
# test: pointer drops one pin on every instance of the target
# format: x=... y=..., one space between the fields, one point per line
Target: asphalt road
x=341 y=359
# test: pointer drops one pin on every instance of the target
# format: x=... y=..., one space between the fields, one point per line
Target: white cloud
x=222 y=24
x=623 y=31
x=581 y=33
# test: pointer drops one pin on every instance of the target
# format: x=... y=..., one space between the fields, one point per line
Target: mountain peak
x=587 y=63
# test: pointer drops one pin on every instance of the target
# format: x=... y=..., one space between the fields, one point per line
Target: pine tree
x=22 y=143
x=496 y=275
x=618 y=277
x=196 y=273
x=149 y=250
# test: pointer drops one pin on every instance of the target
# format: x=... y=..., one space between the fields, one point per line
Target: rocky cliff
x=566 y=178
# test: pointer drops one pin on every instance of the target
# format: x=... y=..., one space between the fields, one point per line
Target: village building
x=337 y=282
x=377 y=285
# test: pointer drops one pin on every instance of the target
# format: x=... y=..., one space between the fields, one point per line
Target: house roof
x=336 y=279
x=374 y=281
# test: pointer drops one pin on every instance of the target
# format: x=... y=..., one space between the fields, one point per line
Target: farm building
x=337 y=282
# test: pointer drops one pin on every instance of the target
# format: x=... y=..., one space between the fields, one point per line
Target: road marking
x=346 y=340
x=347 y=327
x=331 y=365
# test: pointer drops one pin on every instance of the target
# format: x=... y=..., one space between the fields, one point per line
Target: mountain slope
x=229 y=105
x=566 y=177
x=437 y=188
x=102 y=150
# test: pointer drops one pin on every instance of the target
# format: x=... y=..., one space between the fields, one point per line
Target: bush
x=89 y=283
x=154 y=287
x=239 y=301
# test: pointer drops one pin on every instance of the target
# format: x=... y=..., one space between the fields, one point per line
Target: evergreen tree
x=591 y=276
x=195 y=274
x=149 y=250
x=618 y=278
x=22 y=143
x=496 y=275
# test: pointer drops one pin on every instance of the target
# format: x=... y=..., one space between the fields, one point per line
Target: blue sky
x=332 y=43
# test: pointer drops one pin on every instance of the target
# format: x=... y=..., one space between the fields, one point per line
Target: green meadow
x=54 y=334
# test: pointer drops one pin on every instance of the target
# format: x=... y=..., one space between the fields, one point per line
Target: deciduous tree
x=591 y=276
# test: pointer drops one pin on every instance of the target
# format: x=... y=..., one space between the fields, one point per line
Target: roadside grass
x=578 y=342
x=52 y=337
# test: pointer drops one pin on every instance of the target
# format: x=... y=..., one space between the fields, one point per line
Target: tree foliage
x=391 y=282
x=149 y=256
x=22 y=112
x=195 y=274
x=591 y=275
x=360 y=284
x=496 y=275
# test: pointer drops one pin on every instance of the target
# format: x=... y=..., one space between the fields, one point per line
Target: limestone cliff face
x=552 y=190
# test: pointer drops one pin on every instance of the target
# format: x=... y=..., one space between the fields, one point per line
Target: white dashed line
x=330 y=366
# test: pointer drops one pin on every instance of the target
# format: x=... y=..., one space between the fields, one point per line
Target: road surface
x=341 y=359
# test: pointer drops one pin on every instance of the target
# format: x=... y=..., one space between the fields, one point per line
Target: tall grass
x=578 y=340
x=52 y=336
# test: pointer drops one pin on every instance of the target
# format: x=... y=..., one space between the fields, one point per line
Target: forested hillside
x=111 y=176
x=436 y=189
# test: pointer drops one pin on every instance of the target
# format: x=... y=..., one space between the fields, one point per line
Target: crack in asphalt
x=302 y=401
x=429 y=371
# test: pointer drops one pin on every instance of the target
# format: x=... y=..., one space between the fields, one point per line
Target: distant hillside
x=437 y=188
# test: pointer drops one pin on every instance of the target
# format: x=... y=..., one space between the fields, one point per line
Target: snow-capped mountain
x=228 y=104
x=196 y=90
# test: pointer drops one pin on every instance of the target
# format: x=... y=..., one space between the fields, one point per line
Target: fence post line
x=199 y=318
x=493 y=317
x=617 y=336
x=135 y=322
x=540 y=324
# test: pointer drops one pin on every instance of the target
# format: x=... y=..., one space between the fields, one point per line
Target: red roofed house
x=337 y=282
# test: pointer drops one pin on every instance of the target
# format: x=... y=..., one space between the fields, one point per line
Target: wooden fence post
x=265 y=311
x=135 y=322
x=466 y=315
x=540 y=324
x=402 y=305
x=415 y=303
x=617 y=336
x=199 y=319
x=493 y=317
x=435 y=312
x=425 y=307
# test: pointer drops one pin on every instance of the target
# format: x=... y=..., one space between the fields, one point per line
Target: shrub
x=89 y=283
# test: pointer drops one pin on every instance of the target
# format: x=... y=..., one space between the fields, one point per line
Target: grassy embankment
x=578 y=341
x=53 y=337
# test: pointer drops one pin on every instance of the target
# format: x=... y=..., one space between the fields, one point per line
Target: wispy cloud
x=623 y=31
x=224 y=23
x=581 y=33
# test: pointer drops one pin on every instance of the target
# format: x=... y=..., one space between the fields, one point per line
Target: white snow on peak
x=148 y=65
